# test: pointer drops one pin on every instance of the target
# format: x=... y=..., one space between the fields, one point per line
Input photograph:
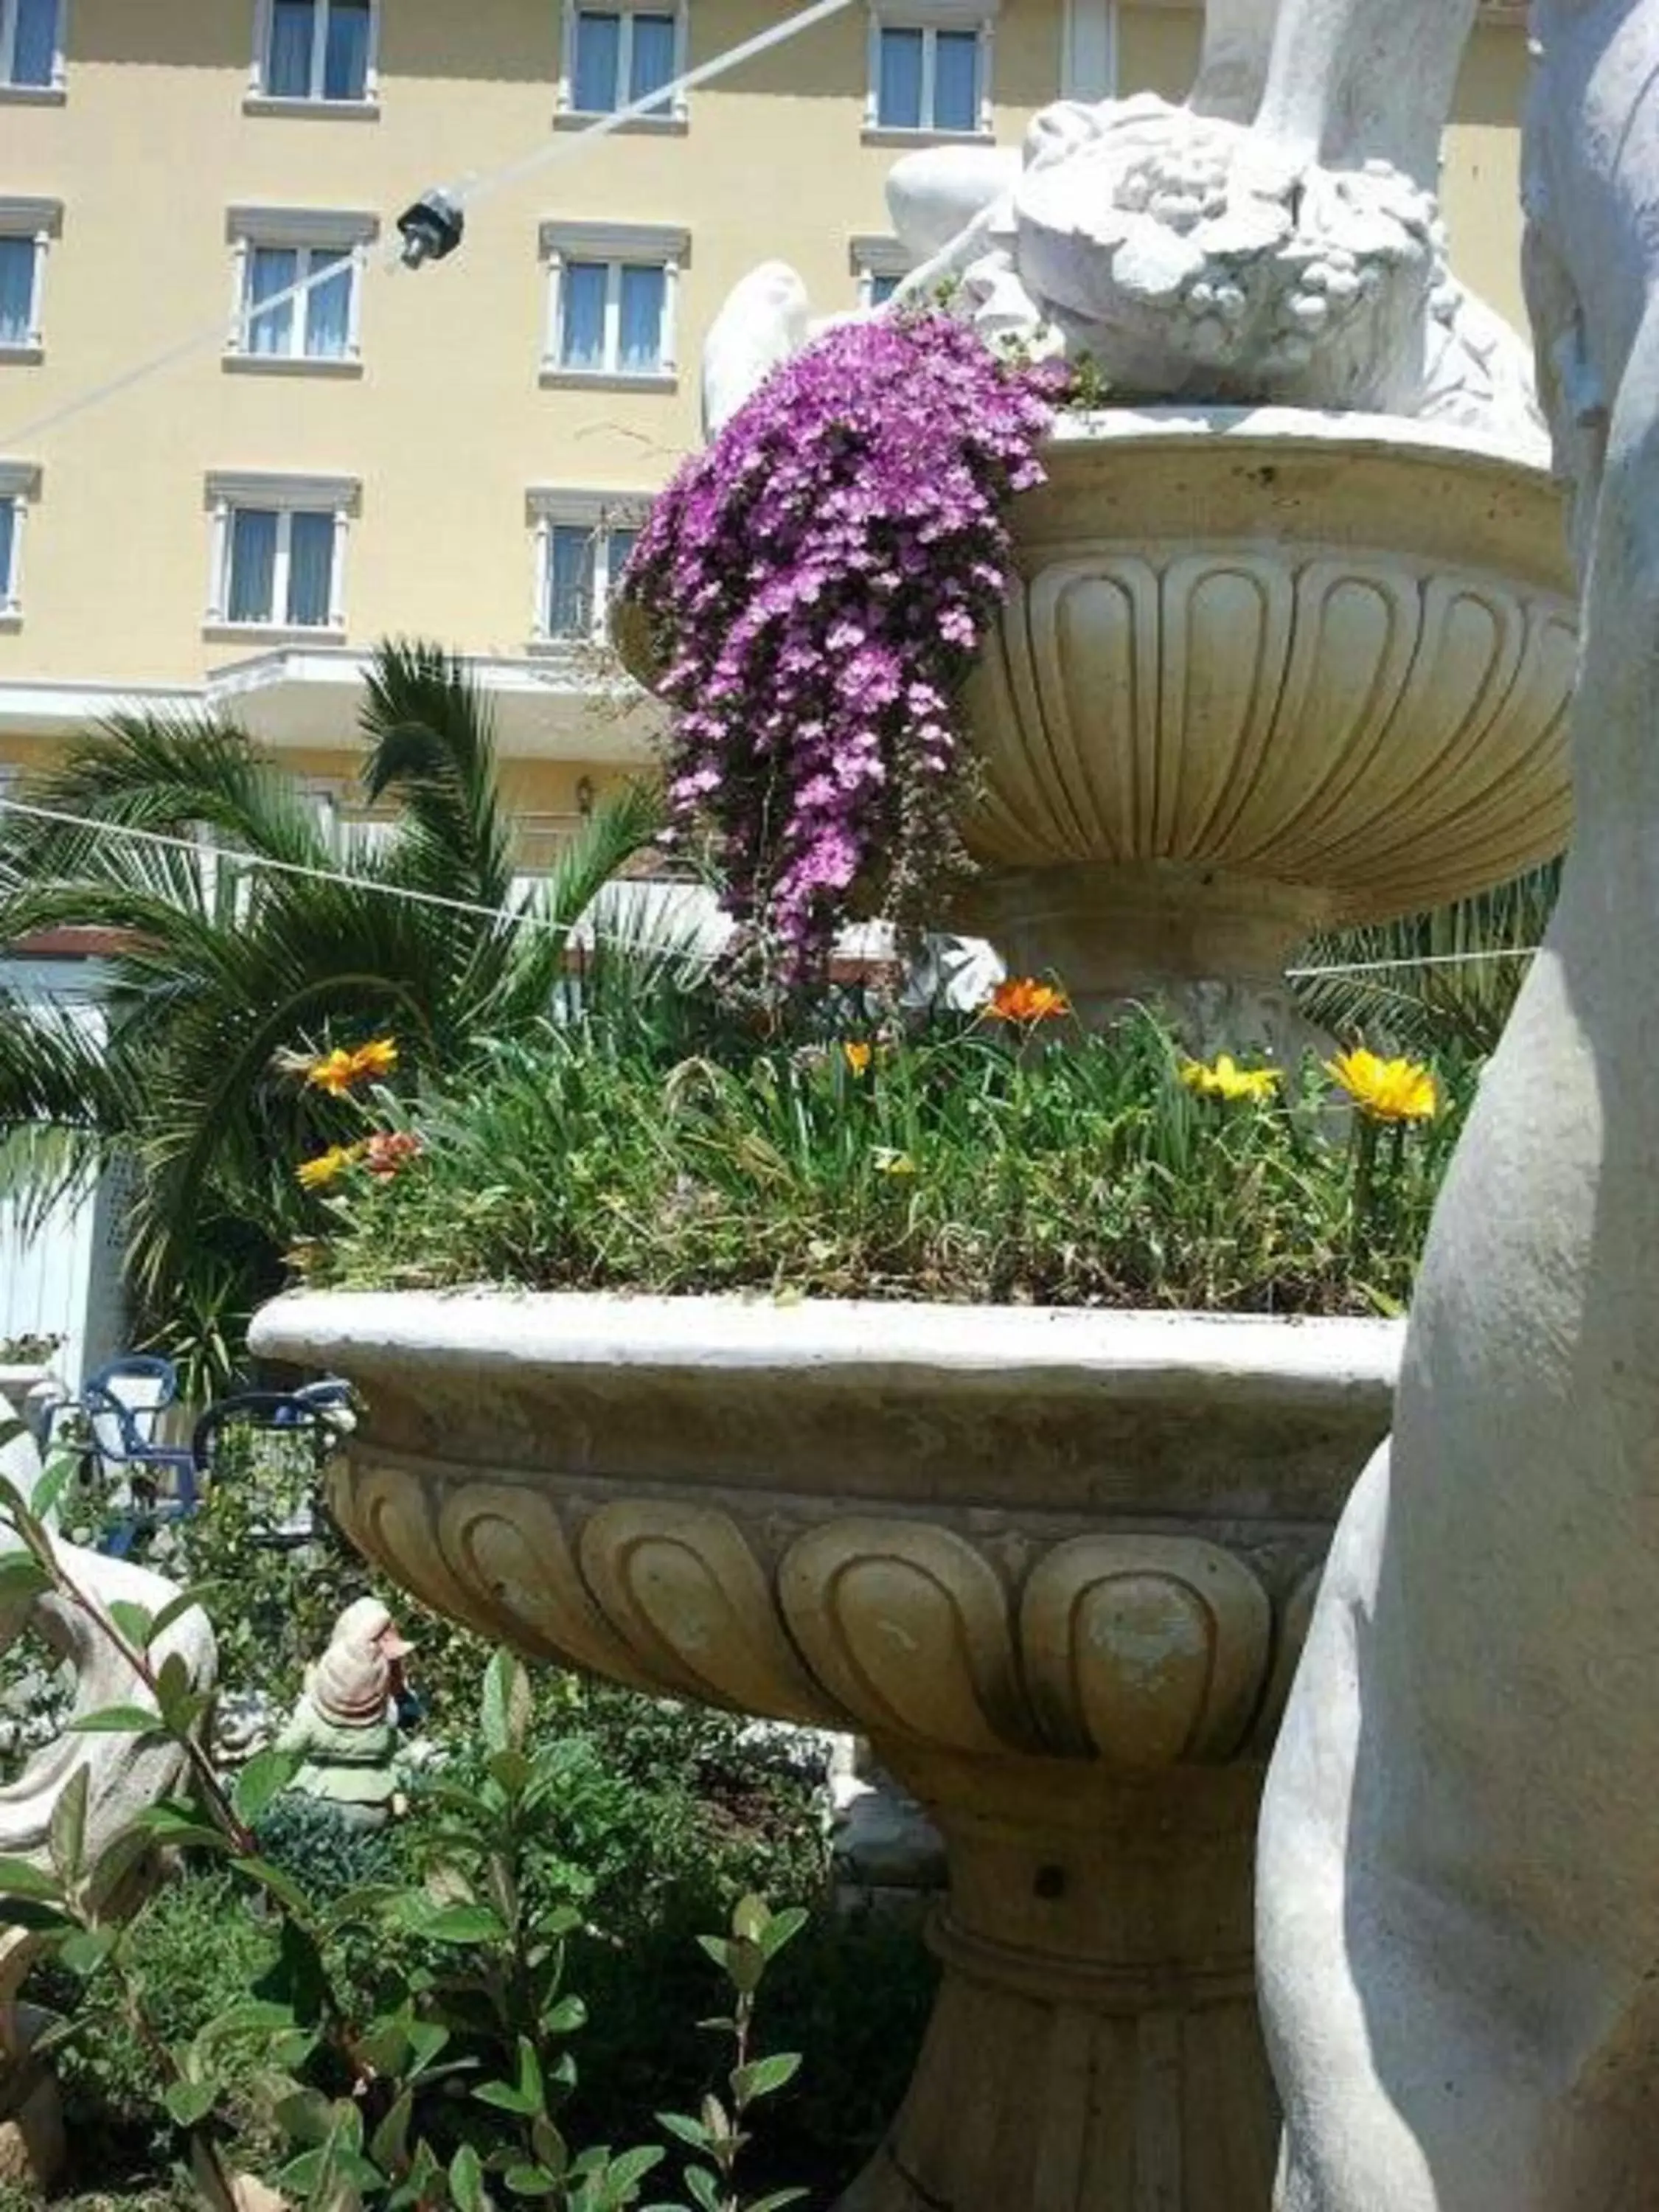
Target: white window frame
x=929 y=17
x=297 y=230
x=229 y=489
x=1088 y=49
x=51 y=93
x=20 y=485
x=551 y=506
x=261 y=100
x=39 y=222
x=569 y=115
x=618 y=245
x=871 y=256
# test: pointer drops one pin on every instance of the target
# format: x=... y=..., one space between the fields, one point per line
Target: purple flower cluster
x=819 y=580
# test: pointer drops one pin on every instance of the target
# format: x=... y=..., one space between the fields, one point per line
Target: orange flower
x=1024 y=1000
x=858 y=1054
x=389 y=1150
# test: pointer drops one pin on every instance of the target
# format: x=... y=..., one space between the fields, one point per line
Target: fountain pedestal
x=1095 y=2040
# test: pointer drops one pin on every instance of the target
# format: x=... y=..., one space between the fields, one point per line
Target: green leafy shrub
x=968 y=1160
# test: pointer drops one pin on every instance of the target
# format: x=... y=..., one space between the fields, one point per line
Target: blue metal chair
x=123 y=1403
x=320 y=1410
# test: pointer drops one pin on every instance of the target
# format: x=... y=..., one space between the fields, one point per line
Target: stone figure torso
x=1459 y=1894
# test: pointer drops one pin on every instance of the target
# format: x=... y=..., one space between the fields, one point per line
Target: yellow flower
x=1388 y=1090
x=887 y=1160
x=1223 y=1078
x=857 y=1054
x=339 y=1072
x=1024 y=1000
x=375 y=1059
x=334 y=1073
x=327 y=1167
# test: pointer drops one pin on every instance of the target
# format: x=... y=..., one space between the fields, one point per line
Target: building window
x=880 y=265
x=930 y=71
x=25 y=228
x=19 y=266
x=611 y=302
x=31 y=46
x=278 y=551
x=276 y=250
x=614 y=57
x=583 y=540
x=20 y=482
x=317 y=51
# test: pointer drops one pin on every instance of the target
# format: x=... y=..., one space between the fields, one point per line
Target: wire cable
x=563 y=147
x=233 y=857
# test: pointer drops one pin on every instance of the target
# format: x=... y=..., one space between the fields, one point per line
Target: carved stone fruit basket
x=1056 y=1565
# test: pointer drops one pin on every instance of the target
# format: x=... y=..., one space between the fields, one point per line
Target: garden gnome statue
x=1458 y=1898
x=346 y=1721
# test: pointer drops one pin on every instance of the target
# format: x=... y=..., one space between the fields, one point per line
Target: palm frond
x=432 y=747
x=1437 y=981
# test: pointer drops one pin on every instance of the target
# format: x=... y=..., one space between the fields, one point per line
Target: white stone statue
x=125 y=1775
x=1276 y=239
x=1459 y=1872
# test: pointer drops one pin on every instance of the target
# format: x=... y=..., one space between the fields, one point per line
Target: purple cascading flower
x=821 y=578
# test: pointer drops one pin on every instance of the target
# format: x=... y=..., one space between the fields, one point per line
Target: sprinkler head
x=432 y=228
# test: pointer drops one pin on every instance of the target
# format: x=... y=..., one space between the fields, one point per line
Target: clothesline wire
x=564 y=146
x=233 y=857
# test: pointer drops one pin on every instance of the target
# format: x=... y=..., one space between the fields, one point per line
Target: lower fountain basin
x=1056 y=1565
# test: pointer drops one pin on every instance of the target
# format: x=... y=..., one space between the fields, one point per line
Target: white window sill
x=567 y=648
x=904 y=134
x=335 y=111
x=228 y=632
x=32 y=95
x=21 y=356
x=650 y=126
x=607 y=380
x=282 y=364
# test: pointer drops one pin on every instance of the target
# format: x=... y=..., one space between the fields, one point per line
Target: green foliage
x=1438 y=983
x=311 y=1841
x=392 y=2043
x=223 y=970
x=967 y=1161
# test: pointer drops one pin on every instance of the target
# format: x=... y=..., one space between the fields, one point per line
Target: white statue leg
x=1353 y=81
x=1232 y=68
x=1459 y=1892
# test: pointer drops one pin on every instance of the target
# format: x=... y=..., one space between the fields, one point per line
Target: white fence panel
x=61 y=1276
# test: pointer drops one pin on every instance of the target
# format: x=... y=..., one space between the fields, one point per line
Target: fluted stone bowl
x=1263 y=671
x=1327 y=655
x=1056 y=1565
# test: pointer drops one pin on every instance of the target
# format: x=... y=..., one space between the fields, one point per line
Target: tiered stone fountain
x=1299 y=656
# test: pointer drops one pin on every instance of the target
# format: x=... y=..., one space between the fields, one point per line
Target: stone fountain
x=1291 y=644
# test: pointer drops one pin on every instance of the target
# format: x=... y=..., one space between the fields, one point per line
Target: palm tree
x=1433 y=982
x=223 y=968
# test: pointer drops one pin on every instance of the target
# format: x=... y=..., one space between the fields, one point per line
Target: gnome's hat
x=352 y=1683
x=366 y=1620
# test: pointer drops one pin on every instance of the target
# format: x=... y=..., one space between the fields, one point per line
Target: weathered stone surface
x=1460 y=1893
x=1054 y=1565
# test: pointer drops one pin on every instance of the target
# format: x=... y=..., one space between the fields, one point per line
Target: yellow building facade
x=456 y=453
